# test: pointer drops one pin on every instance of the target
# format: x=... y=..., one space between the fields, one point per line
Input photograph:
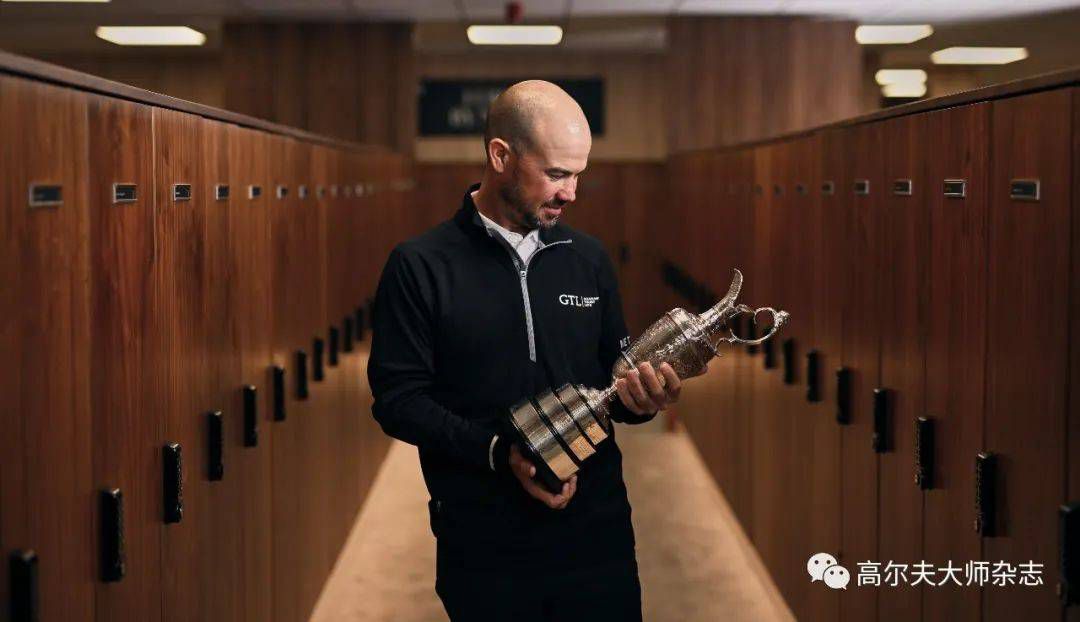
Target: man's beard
x=521 y=213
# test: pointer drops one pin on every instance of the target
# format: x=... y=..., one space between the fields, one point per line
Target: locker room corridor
x=696 y=563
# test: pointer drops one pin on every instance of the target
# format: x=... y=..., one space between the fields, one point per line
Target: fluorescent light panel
x=514 y=35
x=900 y=76
x=894 y=34
x=978 y=56
x=151 y=35
x=904 y=90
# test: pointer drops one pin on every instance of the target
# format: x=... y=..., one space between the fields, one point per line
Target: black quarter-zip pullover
x=462 y=330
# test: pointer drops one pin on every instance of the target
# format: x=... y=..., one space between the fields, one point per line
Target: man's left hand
x=644 y=392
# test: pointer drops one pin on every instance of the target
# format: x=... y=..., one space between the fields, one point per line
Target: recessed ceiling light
x=895 y=34
x=514 y=35
x=151 y=35
x=900 y=76
x=978 y=56
x=904 y=90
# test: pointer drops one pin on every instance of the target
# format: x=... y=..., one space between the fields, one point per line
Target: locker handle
x=251 y=416
x=1069 y=554
x=347 y=340
x=112 y=535
x=301 y=375
x=173 y=483
x=25 y=593
x=278 y=377
x=843 y=395
x=335 y=345
x=924 y=453
x=813 y=373
x=789 y=360
x=769 y=349
x=215 y=430
x=985 y=494
x=751 y=334
x=318 y=370
x=880 y=440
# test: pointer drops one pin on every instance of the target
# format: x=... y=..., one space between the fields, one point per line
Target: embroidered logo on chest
x=570 y=300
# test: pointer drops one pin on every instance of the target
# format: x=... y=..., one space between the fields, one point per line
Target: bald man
x=494 y=305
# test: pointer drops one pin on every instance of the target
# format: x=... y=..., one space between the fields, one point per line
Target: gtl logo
x=570 y=300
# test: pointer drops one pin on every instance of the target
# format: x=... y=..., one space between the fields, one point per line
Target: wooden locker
x=224 y=497
x=955 y=346
x=1027 y=342
x=903 y=319
x=127 y=437
x=176 y=360
x=252 y=290
x=46 y=480
x=828 y=283
x=1073 y=491
x=861 y=342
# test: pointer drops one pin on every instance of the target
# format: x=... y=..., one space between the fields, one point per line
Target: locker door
x=955 y=346
x=1026 y=347
x=903 y=332
x=122 y=248
x=224 y=497
x=176 y=360
x=861 y=340
x=249 y=240
x=46 y=475
x=828 y=285
x=1073 y=612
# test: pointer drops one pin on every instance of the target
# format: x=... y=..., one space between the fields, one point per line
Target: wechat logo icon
x=823 y=567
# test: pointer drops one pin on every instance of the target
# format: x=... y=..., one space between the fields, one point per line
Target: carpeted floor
x=695 y=562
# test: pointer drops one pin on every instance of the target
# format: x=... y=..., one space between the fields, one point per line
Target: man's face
x=543 y=180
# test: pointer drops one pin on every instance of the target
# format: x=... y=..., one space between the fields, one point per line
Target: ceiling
x=867 y=11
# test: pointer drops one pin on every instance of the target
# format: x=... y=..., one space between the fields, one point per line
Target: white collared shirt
x=525 y=245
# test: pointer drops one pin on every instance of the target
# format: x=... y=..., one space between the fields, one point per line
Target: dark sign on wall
x=458 y=107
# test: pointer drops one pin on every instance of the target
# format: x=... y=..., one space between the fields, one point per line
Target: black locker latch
x=278 y=382
x=843 y=395
x=924 y=453
x=112 y=535
x=173 y=480
x=880 y=440
x=813 y=376
x=986 y=494
x=215 y=431
x=789 y=361
x=251 y=416
x=25 y=596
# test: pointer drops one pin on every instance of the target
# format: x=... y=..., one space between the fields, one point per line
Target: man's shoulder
x=439 y=239
x=589 y=247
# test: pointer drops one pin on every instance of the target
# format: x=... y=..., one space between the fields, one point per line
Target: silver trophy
x=558 y=430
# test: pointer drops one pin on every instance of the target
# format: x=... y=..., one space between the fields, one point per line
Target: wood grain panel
x=903 y=320
x=177 y=356
x=861 y=352
x=1028 y=268
x=1073 y=613
x=249 y=231
x=222 y=370
x=47 y=485
x=955 y=347
x=127 y=438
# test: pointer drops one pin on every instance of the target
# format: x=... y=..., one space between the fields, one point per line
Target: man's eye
x=556 y=176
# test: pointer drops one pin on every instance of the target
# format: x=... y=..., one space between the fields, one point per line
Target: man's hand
x=643 y=392
x=525 y=470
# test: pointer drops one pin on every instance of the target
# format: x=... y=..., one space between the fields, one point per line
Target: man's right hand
x=525 y=470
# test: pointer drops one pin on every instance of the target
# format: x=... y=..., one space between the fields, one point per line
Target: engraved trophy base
x=557 y=430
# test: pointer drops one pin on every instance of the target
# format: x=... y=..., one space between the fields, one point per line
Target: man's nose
x=568 y=192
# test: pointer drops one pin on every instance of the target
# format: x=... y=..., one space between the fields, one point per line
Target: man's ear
x=498 y=154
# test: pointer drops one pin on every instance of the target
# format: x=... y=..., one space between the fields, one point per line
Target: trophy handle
x=779 y=318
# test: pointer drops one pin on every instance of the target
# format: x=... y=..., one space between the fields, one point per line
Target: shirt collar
x=469 y=215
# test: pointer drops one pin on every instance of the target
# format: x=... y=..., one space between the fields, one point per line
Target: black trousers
x=602 y=593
